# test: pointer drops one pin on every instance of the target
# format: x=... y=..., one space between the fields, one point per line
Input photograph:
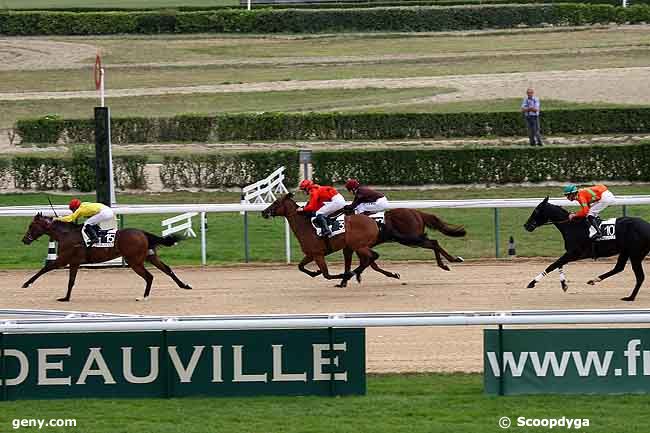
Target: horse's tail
x=168 y=241
x=433 y=222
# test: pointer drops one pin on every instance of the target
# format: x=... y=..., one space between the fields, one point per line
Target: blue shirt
x=530 y=103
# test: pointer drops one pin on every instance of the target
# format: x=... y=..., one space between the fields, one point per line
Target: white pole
x=287 y=240
x=624 y=3
x=203 y=253
x=248 y=5
x=111 y=180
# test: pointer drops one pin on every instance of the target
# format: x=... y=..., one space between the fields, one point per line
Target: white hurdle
x=265 y=191
x=186 y=225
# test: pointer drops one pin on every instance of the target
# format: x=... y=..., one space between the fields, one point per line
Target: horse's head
x=545 y=212
x=280 y=207
x=38 y=227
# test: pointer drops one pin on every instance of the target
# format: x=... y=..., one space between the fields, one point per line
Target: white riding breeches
x=378 y=206
x=329 y=207
x=606 y=199
x=105 y=214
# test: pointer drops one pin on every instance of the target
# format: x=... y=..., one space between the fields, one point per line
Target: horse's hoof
x=63 y=299
x=341 y=286
x=396 y=276
x=142 y=299
x=445 y=268
x=531 y=284
x=459 y=259
x=24 y=286
x=628 y=299
x=187 y=287
x=358 y=278
x=591 y=282
x=565 y=286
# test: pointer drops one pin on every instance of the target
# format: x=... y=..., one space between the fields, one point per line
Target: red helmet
x=306 y=184
x=74 y=204
x=351 y=184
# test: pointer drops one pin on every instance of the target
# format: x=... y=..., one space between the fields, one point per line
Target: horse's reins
x=555 y=222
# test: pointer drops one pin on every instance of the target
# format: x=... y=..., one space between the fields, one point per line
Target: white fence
x=91 y=323
x=202 y=209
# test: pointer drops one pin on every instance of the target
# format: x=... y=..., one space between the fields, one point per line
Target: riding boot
x=91 y=231
x=324 y=227
x=593 y=221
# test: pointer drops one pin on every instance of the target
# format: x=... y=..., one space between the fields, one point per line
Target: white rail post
x=287 y=240
x=203 y=242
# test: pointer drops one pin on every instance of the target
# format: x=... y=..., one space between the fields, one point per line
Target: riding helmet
x=306 y=184
x=351 y=184
x=74 y=204
x=570 y=189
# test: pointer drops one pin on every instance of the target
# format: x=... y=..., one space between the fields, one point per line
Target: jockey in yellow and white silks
x=95 y=212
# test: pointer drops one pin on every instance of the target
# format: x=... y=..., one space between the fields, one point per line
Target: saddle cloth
x=337 y=226
x=106 y=238
x=608 y=229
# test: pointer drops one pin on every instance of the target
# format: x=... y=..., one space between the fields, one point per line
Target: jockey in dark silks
x=366 y=200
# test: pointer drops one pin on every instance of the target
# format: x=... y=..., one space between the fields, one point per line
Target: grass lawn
x=171 y=105
x=149 y=62
x=225 y=235
x=409 y=403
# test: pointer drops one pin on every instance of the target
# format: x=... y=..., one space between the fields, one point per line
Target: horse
x=360 y=235
x=134 y=245
x=632 y=243
x=408 y=227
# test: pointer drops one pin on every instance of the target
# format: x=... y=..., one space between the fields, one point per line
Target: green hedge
x=340 y=126
x=226 y=170
x=76 y=172
x=486 y=165
x=326 y=5
x=267 y=20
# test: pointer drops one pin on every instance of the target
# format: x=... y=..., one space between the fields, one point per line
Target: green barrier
x=183 y=363
x=551 y=361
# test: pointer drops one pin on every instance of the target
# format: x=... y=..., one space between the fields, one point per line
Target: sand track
x=481 y=285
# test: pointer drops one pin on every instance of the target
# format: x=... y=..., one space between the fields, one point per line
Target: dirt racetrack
x=478 y=285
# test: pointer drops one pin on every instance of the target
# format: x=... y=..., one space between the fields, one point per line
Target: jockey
x=95 y=212
x=366 y=200
x=323 y=200
x=592 y=201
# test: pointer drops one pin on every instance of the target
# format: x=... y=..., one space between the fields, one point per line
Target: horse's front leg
x=347 y=258
x=563 y=260
x=322 y=265
x=45 y=269
x=73 y=276
x=301 y=266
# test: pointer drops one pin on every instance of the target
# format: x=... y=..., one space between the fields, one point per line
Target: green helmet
x=570 y=189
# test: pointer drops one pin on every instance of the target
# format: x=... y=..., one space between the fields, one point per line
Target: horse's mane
x=64 y=224
x=556 y=210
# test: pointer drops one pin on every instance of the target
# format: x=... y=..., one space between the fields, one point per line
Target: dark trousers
x=532 y=122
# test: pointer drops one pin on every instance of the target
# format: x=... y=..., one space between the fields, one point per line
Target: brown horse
x=135 y=246
x=361 y=233
x=408 y=227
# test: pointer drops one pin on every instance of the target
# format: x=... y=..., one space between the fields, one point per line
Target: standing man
x=530 y=109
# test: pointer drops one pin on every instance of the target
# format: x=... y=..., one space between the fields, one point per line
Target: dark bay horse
x=360 y=235
x=135 y=246
x=632 y=243
x=408 y=227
